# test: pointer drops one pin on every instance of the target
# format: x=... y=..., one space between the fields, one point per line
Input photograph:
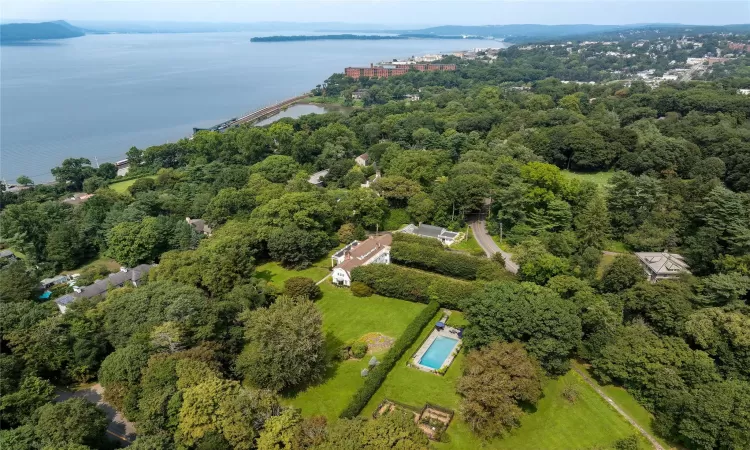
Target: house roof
x=65 y=300
x=317 y=177
x=430 y=231
x=662 y=263
x=364 y=156
x=364 y=251
x=6 y=254
x=198 y=224
x=55 y=280
x=116 y=279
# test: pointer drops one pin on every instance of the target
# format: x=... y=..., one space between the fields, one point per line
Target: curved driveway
x=479 y=229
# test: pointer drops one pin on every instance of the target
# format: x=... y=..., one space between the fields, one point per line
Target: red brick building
x=394 y=71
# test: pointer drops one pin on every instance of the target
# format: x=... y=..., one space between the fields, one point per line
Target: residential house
x=199 y=225
x=359 y=94
x=662 y=265
x=7 y=255
x=53 y=281
x=362 y=160
x=317 y=178
x=373 y=250
x=743 y=91
x=135 y=275
x=412 y=97
x=431 y=231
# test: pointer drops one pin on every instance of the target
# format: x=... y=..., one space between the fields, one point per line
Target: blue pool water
x=439 y=350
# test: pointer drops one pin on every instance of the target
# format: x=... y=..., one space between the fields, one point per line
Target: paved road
x=489 y=246
x=609 y=400
x=119 y=428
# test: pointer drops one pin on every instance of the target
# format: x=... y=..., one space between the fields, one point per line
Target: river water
x=98 y=95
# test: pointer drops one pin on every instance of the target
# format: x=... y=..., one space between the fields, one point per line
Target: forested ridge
x=203 y=355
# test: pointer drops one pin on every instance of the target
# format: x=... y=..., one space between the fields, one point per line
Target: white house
x=362 y=160
x=662 y=265
x=373 y=250
x=431 y=231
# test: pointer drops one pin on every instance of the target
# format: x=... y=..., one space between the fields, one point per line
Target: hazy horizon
x=405 y=13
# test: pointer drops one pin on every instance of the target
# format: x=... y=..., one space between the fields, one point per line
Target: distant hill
x=18 y=32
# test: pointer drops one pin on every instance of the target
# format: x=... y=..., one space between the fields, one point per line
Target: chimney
x=371 y=65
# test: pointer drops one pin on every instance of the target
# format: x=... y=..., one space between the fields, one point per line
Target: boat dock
x=254 y=116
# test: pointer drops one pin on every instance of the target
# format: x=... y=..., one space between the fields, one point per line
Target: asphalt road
x=119 y=428
x=489 y=246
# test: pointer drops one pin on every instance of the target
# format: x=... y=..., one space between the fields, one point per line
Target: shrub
x=414 y=239
x=359 y=349
x=301 y=287
x=427 y=256
x=360 y=289
x=396 y=218
x=391 y=280
x=378 y=373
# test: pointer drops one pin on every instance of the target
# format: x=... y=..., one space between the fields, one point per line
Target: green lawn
x=599 y=178
x=630 y=405
x=122 y=186
x=347 y=318
x=275 y=274
x=556 y=424
x=469 y=245
x=604 y=263
x=616 y=246
x=109 y=263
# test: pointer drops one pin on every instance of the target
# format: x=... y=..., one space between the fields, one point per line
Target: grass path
x=617 y=408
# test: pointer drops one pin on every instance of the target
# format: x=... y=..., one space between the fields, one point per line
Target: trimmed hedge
x=414 y=239
x=394 y=281
x=420 y=255
x=377 y=375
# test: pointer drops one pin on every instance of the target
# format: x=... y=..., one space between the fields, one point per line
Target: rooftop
x=430 y=231
x=662 y=263
x=363 y=251
x=317 y=177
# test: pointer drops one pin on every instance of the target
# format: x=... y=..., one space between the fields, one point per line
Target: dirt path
x=609 y=400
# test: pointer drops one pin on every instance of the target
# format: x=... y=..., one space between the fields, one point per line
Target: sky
x=387 y=12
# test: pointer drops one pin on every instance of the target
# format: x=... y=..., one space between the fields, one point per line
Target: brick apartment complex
x=386 y=71
x=741 y=46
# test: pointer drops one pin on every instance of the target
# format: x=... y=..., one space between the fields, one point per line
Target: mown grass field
x=275 y=274
x=122 y=186
x=347 y=318
x=601 y=179
x=554 y=424
x=109 y=263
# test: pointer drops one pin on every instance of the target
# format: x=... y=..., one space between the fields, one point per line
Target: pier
x=254 y=116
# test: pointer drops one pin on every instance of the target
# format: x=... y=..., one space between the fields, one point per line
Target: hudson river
x=98 y=95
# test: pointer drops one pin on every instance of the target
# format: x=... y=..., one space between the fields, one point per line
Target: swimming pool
x=438 y=352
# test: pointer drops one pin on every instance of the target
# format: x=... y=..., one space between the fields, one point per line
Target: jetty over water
x=254 y=116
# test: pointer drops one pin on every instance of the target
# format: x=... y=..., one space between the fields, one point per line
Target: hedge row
x=391 y=280
x=439 y=260
x=414 y=239
x=378 y=374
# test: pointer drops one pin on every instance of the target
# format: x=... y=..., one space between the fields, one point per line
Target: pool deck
x=445 y=332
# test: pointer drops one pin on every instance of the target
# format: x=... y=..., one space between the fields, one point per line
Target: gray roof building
x=199 y=225
x=7 y=254
x=317 y=177
x=52 y=281
x=99 y=287
x=662 y=265
x=431 y=231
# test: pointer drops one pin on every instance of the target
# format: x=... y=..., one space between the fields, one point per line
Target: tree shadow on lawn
x=333 y=345
x=266 y=275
